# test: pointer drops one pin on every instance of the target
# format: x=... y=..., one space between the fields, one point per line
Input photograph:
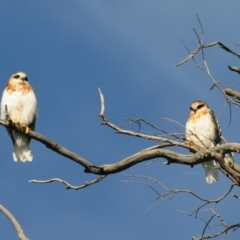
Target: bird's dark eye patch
x=200 y=106
x=16 y=76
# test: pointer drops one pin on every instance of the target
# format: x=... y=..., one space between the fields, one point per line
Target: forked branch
x=202 y=46
x=232 y=169
x=231 y=96
x=164 y=193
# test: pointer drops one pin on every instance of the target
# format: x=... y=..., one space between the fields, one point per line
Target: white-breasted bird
x=20 y=102
x=203 y=131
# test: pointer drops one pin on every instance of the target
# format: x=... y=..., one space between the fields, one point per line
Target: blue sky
x=129 y=49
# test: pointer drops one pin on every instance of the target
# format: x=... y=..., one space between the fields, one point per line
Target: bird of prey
x=19 y=104
x=203 y=131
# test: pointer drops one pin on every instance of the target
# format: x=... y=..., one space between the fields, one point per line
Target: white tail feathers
x=211 y=171
x=21 y=152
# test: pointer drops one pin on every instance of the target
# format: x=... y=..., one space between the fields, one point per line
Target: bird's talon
x=15 y=122
x=26 y=129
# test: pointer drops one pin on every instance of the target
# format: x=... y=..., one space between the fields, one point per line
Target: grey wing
x=9 y=130
x=217 y=128
x=220 y=137
x=33 y=123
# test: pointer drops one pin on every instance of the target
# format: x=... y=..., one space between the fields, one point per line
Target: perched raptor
x=20 y=104
x=203 y=131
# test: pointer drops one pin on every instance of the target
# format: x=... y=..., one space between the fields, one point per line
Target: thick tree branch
x=48 y=143
x=218 y=152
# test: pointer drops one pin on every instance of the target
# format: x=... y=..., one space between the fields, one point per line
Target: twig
x=233 y=228
x=102 y=112
x=234 y=195
x=207 y=71
x=170 y=193
x=69 y=186
x=20 y=232
x=234 y=69
x=194 y=52
x=232 y=93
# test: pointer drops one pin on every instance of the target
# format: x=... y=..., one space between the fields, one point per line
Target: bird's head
x=19 y=77
x=198 y=106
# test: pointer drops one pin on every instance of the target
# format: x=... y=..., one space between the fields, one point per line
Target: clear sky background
x=129 y=49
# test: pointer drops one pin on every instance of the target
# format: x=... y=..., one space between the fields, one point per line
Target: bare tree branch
x=232 y=169
x=14 y=222
x=233 y=97
x=207 y=71
x=165 y=140
x=174 y=191
x=232 y=93
x=196 y=50
x=229 y=94
x=226 y=230
x=69 y=186
x=102 y=112
x=234 y=195
x=168 y=194
x=235 y=69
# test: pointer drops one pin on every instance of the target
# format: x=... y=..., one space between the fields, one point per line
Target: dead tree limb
x=20 y=232
x=234 y=69
x=232 y=169
x=232 y=93
x=168 y=194
x=202 y=46
x=69 y=186
x=228 y=93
